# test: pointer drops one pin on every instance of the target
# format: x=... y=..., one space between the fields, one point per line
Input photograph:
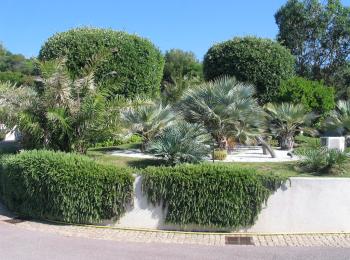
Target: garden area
x=212 y=140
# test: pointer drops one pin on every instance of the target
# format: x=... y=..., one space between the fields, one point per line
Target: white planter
x=334 y=143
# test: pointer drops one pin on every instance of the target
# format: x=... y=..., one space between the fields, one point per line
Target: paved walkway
x=20 y=244
x=219 y=239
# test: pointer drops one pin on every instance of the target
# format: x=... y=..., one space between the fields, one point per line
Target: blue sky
x=189 y=25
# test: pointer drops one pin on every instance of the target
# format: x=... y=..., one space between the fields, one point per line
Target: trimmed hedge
x=64 y=187
x=261 y=62
x=131 y=65
x=209 y=194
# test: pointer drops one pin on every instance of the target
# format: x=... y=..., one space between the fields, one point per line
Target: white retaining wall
x=308 y=205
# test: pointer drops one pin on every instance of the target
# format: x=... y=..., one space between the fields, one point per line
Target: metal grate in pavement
x=239 y=240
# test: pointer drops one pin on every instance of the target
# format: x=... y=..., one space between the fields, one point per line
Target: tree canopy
x=317 y=34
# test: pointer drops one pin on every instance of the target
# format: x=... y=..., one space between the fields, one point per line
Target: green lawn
x=286 y=168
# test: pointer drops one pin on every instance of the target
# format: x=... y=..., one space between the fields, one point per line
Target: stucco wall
x=307 y=205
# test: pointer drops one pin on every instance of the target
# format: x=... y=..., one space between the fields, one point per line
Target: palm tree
x=286 y=119
x=63 y=114
x=226 y=108
x=339 y=119
x=181 y=142
x=147 y=119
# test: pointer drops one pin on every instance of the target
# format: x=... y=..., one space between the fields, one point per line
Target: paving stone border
x=151 y=236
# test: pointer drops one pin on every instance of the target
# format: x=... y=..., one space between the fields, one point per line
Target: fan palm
x=339 y=118
x=181 y=142
x=147 y=119
x=226 y=108
x=286 y=119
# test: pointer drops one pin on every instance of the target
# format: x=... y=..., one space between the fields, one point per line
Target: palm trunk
x=287 y=142
x=266 y=146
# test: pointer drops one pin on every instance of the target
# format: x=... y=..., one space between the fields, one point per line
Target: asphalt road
x=20 y=244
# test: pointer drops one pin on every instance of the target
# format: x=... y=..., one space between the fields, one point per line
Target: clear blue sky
x=189 y=25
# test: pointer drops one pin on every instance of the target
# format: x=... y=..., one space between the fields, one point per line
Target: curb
x=198 y=233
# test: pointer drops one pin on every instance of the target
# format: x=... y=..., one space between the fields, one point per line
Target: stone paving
x=297 y=240
x=146 y=236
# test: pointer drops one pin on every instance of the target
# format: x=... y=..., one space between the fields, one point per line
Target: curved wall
x=307 y=205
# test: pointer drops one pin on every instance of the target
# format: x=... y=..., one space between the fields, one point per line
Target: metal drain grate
x=238 y=240
x=14 y=221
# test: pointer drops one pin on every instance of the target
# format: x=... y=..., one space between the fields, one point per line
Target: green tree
x=128 y=64
x=181 y=70
x=318 y=35
x=314 y=95
x=261 y=62
x=286 y=120
x=15 y=68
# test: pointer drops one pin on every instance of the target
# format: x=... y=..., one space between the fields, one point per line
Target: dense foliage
x=181 y=70
x=131 y=66
x=64 y=187
x=15 y=68
x=338 y=122
x=318 y=35
x=209 y=194
x=314 y=95
x=60 y=113
x=181 y=142
x=262 y=62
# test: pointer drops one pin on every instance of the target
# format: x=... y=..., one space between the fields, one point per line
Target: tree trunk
x=287 y=142
x=266 y=146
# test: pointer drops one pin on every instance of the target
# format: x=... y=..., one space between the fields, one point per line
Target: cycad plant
x=181 y=142
x=147 y=119
x=226 y=108
x=286 y=120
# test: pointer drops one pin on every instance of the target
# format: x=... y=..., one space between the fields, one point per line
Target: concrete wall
x=308 y=205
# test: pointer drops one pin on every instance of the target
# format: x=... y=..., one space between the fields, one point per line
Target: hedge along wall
x=130 y=66
x=214 y=195
x=261 y=62
x=64 y=187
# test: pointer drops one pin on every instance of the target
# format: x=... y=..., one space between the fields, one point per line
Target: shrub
x=220 y=155
x=314 y=95
x=209 y=194
x=131 y=66
x=64 y=187
x=181 y=142
x=322 y=160
x=262 y=62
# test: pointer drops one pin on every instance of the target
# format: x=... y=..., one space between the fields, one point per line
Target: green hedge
x=209 y=194
x=64 y=187
x=262 y=62
x=131 y=65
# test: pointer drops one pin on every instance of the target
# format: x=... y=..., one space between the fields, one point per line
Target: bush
x=314 y=95
x=322 y=160
x=64 y=187
x=262 y=62
x=220 y=155
x=209 y=194
x=181 y=142
x=131 y=66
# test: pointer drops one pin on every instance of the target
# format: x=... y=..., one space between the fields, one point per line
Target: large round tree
x=261 y=62
x=124 y=64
